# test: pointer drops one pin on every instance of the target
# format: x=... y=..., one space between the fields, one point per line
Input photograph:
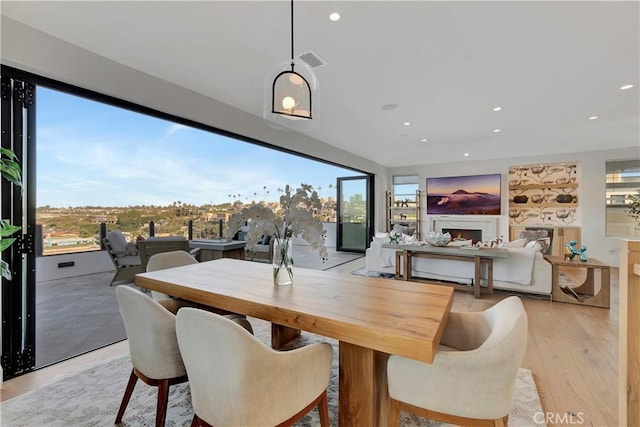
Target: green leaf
x=8 y=153
x=7 y=229
x=5 y=243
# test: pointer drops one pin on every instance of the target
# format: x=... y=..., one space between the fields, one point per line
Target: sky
x=93 y=154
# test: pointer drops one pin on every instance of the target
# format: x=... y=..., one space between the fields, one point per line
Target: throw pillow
x=266 y=238
x=519 y=243
x=400 y=229
x=534 y=244
x=409 y=239
x=380 y=234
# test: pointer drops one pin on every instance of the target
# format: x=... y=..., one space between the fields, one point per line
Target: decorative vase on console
x=435 y=238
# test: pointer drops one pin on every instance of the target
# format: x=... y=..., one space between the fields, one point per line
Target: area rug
x=92 y=397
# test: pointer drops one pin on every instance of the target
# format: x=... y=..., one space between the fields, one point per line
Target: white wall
x=85 y=263
x=591 y=191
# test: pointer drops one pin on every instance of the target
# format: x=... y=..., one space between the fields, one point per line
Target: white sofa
x=524 y=270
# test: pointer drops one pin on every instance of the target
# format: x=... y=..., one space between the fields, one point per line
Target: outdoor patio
x=79 y=314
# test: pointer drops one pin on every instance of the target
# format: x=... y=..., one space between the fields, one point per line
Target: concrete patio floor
x=79 y=314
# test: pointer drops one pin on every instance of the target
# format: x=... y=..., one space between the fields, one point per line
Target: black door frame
x=369 y=217
x=18 y=98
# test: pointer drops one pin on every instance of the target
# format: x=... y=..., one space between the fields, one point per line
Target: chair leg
x=127 y=395
x=163 y=399
x=323 y=409
x=198 y=422
x=394 y=413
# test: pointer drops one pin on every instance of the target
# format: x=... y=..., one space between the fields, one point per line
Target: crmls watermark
x=556 y=418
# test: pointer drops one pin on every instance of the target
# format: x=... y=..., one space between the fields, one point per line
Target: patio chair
x=125 y=256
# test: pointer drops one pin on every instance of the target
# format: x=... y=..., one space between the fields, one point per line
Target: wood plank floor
x=572 y=352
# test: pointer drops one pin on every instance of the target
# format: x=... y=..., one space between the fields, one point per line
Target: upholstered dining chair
x=171 y=259
x=242 y=382
x=181 y=258
x=472 y=377
x=153 y=347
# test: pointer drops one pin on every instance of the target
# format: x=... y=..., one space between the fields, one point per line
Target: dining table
x=370 y=317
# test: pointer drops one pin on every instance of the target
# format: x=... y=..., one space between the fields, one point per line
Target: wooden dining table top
x=394 y=317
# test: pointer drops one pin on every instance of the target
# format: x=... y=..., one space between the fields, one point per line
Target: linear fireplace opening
x=464 y=234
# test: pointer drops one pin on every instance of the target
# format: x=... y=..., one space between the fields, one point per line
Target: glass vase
x=283 y=262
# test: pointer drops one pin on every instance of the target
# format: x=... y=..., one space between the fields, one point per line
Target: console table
x=478 y=256
x=585 y=293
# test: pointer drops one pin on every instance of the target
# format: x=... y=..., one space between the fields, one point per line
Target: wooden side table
x=583 y=294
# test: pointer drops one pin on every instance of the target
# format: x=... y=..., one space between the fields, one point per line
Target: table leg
x=476 y=285
x=281 y=335
x=362 y=388
x=587 y=287
x=407 y=265
x=489 y=262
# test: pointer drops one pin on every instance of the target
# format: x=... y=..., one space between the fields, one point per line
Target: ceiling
x=445 y=65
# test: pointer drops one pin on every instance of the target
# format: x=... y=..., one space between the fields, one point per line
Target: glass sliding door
x=354 y=213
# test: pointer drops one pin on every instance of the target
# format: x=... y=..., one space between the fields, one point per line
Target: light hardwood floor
x=572 y=352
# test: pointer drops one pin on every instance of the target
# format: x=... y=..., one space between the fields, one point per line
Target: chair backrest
x=232 y=375
x=507 y=321
x=164 y=260
x=151 y=331
x=117 y=242
x=171 y=259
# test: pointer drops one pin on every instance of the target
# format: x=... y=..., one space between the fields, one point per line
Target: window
x=623 y=180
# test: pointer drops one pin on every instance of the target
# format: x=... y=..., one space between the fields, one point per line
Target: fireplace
x=467 y=226
x=464 y=234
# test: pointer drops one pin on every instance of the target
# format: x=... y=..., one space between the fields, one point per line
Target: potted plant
x=10 y=171
x=634 y=207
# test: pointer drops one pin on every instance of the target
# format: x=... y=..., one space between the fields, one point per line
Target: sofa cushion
x=266 y=238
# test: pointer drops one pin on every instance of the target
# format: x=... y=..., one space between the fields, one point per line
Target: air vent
x=313 y=60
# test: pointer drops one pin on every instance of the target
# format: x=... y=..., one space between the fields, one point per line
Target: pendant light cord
x=292 y=35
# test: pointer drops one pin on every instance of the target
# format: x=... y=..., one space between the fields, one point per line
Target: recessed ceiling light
x=593 y=117
x=466 y=154
x=423 y=140
x=625 y=87
x=497 y=108
x=335 y=16
x=497 y=130
x=406 y=123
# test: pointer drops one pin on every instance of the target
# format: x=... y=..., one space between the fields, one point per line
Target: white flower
x=293 y=218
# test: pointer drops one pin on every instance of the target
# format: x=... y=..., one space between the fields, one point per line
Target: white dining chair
x=242 y=382
x=473 y=375
x=153 y=348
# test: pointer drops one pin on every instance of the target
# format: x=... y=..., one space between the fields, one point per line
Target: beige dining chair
x=164 y=260
x=153 y=348
x=242 y=382
x=179 y=258
x=472 y=377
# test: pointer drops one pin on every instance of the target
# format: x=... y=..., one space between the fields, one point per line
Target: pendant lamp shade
x=290 y=93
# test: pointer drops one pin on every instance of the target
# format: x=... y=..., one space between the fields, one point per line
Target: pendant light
x=289 y=101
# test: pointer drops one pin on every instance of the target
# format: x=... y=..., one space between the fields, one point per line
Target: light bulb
x=288 y=102
x=295 y=79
